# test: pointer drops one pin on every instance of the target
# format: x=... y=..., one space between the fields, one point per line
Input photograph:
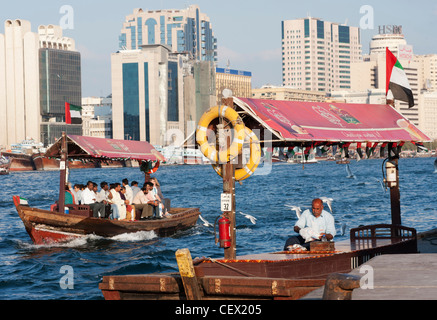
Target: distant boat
x=21 y=155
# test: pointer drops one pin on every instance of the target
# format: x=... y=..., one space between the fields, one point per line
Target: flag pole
x=63 y=173
x=395 y=196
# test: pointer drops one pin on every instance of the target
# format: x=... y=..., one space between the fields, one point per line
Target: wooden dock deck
x=398 y=276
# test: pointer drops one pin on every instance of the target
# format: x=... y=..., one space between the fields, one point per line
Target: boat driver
x=314 y=225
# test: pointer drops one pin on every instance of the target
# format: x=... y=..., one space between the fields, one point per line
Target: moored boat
x=274 y=276
x=19 y=161
x=5 y=164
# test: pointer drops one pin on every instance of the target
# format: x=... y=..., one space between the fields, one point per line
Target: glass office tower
x=60 y=82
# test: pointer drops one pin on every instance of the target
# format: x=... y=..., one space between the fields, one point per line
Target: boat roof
x=80 y=147
x=308 y=122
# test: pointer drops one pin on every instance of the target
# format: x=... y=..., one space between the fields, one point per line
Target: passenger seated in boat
x=153 y=200
x=103 y=197
x=130 y=209
x=141 y=203
x=116 y=199
x=314 y=225
x=135 y=189
x=89 y=198
x=77 y=192
x=165 y=203
x=69 y=197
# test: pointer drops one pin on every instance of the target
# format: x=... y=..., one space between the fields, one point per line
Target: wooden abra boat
x=274 y=276
x=45 y=227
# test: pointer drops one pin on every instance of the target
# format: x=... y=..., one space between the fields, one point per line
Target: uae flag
x=397 y=80
x=73 y=114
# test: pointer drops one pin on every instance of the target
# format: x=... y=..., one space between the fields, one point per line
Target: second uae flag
x=397 y=80
x=73 y=114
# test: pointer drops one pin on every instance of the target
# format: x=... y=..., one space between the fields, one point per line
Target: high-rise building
x=270 y=92
x=428 y=113
x=316 y=54
x=370 y=73
x=163 y=77
x=427 y=71
x=188 y=30
x=39 y=72
x=147 y=93
x=239 y=82
x=97 y=117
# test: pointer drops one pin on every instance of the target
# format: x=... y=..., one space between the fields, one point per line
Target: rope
x=229 y=267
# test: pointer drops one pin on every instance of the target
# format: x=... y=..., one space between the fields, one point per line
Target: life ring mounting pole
x=228 y=170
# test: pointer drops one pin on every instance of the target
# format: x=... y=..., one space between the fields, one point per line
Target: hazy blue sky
x=248 y=32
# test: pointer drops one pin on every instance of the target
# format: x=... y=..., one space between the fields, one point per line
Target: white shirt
x=129 y=194
x=102 y=196
x=135 y=190
x=88 y=196
x=116 y=199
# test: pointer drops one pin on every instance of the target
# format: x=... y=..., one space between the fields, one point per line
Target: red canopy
x=333 y=122
x=88 y=147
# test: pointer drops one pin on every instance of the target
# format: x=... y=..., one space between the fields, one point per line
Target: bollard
x=188 y=275
x=340 y=286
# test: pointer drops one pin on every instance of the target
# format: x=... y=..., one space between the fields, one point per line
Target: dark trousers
x=98 y=210
x=146 y=210
x=155 y=210
x=297 y=240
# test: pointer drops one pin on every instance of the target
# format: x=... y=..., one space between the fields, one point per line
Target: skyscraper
x=370 y=73
x=163 y=74
x=187 y=30
x=147 y=88
x=316 y=54
x=39 y=72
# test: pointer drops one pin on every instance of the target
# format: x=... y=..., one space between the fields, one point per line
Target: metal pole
x=228 y=171
x=63 y=173
x=395 y=196
x=229 y=187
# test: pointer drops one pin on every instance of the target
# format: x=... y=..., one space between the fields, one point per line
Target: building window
x=131 y=102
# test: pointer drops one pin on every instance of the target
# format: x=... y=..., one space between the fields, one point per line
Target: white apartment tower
x=316 y=54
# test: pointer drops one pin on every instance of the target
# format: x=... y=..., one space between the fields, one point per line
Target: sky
x=248 y=32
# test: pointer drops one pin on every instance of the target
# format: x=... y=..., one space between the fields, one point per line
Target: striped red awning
x=80 y=147
x=293 y=121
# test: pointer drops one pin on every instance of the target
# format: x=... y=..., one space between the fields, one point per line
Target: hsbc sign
x=391 y=29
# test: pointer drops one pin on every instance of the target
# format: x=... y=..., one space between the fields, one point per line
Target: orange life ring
x=155 y=168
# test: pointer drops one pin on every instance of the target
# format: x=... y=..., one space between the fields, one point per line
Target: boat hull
x=47 y=227
x=20 y=162
x=45 y=164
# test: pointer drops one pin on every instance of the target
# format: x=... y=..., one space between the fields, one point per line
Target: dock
x=397 y=276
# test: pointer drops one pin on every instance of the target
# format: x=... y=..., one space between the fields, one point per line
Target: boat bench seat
x=80 y=210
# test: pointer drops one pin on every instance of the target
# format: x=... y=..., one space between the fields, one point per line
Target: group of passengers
x=121 y=201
